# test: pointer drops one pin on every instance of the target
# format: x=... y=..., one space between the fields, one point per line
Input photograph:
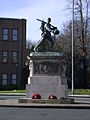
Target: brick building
x=12 y=51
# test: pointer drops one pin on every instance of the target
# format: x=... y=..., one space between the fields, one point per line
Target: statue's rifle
x=45 y=23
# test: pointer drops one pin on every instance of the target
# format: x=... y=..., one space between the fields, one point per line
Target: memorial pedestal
x=47 y=75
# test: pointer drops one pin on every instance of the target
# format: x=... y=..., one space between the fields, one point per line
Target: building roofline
x=3 y=18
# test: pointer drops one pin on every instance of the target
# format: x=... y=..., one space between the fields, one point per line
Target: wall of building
x=11 y=46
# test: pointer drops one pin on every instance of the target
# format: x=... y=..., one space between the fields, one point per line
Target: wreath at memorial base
x=52 y=97
x=36 y=96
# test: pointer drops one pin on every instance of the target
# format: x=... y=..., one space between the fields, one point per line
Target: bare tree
x=81 y=39
x=29 y=47
x=81 y=14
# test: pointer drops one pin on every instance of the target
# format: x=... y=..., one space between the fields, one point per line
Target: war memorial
x=47 y=69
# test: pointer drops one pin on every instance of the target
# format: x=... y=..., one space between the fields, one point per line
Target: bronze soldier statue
x=46 y=29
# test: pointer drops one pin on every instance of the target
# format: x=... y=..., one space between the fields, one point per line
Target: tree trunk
x=84 y=80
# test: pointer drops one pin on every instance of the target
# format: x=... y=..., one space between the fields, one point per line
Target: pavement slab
x=14 y=103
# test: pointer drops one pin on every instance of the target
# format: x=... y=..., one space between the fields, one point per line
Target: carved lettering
x=46 y=68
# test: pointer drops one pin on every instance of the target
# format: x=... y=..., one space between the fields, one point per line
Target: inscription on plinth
x=46 y=68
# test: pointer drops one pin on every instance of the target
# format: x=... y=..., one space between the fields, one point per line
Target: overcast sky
x=32 y=9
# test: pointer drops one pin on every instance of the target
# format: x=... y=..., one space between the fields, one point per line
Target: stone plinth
x=47 y=75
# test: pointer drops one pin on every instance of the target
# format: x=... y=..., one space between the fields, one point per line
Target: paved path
x=80 y=102
x=14 y=103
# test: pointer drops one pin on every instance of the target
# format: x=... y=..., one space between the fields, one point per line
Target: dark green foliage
x=25 y=75
x=9 y=87
x=29 y=50
x=44 y=46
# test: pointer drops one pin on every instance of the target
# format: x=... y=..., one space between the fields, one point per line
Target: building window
x=15 y=34
x=5 y=34
x=5 y=56
x=14 y=79
x=4 y=79
x=14 y=57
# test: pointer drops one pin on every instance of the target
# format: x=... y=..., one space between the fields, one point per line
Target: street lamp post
x=72 y=47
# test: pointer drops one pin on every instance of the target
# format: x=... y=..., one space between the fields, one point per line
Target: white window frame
x=4 y=56
x=14 y=79
x=4 y=79
x=14 y=34
x=5 y=34
x=14 y=56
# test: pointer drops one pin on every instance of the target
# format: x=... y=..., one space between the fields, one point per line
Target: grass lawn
x=80 y=91
x=76 y=91
x=12 y=91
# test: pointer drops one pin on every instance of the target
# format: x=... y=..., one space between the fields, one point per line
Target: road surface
x=13 y=113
